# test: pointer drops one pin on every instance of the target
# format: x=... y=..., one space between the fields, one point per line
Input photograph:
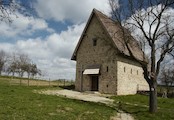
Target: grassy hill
x=19 y=102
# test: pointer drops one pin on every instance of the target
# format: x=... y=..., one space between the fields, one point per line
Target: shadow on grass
x=68 y=87
x=135 y=111
x=131 y=109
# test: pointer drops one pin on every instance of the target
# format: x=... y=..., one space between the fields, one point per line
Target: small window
x=94 y=42
x=107 y=69
x=137 y=72
x=124 y=69
x=131 y=71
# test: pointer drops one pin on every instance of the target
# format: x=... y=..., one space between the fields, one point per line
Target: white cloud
x=36 y=48
x=53 y=54
x=64 y=43
x=6 y=47
x=75 y=11
x=23 y=25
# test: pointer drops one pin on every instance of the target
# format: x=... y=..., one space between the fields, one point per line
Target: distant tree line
x=167 y=78
x=17 y=64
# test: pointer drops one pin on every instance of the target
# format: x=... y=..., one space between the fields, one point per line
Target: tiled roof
x=115 y=32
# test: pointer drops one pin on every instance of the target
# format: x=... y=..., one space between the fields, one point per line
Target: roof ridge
x=103 y=14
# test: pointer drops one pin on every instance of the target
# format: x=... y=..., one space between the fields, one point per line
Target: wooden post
x=20 y=81
x=11 y=80
x=28 y=81
x=37 y=82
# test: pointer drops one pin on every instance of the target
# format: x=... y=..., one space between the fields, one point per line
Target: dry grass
x=34 y=82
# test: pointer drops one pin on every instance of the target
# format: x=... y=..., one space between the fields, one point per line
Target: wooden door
x=94 y=83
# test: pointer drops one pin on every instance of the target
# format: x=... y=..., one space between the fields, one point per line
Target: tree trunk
x=28 y=75
x=1 y=68
x=153 y=98
x=13 y=73
x=22 y=74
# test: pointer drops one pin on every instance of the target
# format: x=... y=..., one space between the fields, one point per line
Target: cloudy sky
x=50 y=38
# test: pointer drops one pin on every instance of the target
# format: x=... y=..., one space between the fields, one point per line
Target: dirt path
x=79 y=96
x=95 y=97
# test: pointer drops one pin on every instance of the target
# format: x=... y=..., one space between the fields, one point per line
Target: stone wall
x=115 y=80
x=130 y=77
x=102 y=54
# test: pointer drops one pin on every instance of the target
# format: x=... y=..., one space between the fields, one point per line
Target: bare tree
x=24 y=61
x=32 y=70
x=28 y=70
x=35 y=70
x=19 y=64
x=3 y=59
x=12 y=65
x=9 y=8
x=152 y=21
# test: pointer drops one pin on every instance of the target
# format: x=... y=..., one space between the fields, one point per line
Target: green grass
x=137 y=105
x=21 y=103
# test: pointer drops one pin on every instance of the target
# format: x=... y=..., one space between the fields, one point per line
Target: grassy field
x=137 y=105
x=35 y=82
x=21 y=103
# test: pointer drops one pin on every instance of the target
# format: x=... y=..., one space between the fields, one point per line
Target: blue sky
x=49 y=38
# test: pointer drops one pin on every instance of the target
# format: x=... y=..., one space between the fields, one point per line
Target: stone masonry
x=118 y=74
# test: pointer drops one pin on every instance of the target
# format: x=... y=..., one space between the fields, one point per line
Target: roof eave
x=73 y=57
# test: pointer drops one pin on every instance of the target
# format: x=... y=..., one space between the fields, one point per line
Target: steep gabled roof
x=112 y=29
